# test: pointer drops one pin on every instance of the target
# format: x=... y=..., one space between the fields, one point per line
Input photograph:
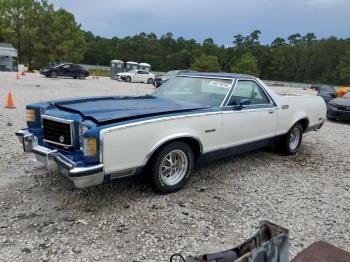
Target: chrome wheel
x=173 y=167
x=294 y=139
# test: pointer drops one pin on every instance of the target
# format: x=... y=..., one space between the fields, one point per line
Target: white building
x=8 y=55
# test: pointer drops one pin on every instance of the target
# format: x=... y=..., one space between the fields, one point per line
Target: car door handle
x=271 y=111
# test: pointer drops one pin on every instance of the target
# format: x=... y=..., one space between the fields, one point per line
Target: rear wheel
x=171 y=167
x=150 y=81
x=128 y=79
x=290 y=144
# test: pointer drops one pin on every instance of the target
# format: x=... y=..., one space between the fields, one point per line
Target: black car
x=66 y=70
x=339 y=108
x=158 y=81
x=326 y=92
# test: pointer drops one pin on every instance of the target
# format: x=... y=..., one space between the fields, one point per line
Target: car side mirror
x=242 y=103
x=334 y=95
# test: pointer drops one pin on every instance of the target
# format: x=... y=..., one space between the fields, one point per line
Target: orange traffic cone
x=17 y=76
x=9 y=103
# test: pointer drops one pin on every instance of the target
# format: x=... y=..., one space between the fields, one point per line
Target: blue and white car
x=192 y=118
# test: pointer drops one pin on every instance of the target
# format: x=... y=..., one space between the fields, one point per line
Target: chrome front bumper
x=56 y=162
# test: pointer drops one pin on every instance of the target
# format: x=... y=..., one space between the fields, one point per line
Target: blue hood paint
x=107 y=109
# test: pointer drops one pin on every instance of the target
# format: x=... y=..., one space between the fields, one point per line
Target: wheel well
x=192 y=142
x=304 y=123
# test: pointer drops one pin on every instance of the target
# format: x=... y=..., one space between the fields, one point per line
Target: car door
x=252 y=122
x=138 y=76
x=66 y=70
x=60 y=71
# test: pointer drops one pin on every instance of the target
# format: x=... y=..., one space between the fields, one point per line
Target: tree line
x=44 y=35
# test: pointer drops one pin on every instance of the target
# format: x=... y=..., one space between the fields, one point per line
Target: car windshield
x=204 y=91
x=347 y=95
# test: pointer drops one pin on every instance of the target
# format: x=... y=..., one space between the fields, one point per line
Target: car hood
x=115 y=109
x=46 y=69
x=341 y=101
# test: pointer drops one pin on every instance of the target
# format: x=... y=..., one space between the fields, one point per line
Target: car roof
x=218 y=75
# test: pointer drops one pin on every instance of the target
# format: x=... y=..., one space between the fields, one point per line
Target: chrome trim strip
x=124 y=173
x=62 y=120
x=208 y=77
x=228 y=93
x=107 y=130
x=65 y=121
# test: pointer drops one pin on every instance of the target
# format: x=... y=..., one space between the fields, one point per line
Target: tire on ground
x=158 y=180
x=290 y=143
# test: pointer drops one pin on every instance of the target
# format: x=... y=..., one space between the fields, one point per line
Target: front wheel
x=81 y=76
x=150 y=81
x=172 y=166
x=290 y=144
x=53 y=74
x=128 y=79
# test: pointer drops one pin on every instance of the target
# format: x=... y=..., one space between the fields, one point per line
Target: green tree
x=206 y=63
x=344 y=68
x=247 y=64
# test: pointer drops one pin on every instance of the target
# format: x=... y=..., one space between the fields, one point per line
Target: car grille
x=345 y=108
x=58 y=132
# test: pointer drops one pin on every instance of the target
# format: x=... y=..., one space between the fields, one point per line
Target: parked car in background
x=158 y=81
x=339 y=108
x=193 y=118
x=326 y=92
x=139 y=76
x=341 y=91
x=66 y=70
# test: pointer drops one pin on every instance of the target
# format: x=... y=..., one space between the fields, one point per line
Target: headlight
x=82 y=130
x=30 y=115
x=89 y=146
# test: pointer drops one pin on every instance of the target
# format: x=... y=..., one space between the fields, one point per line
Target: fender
x=170 y=138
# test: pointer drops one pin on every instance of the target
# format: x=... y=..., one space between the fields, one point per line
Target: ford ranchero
x=192 y=118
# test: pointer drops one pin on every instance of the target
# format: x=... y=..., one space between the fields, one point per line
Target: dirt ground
x=44 y=218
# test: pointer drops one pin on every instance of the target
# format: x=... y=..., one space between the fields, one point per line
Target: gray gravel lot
x=43 y=217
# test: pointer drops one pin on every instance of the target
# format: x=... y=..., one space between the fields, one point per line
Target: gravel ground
x=44 y=218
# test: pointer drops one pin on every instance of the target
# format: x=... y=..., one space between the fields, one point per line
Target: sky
x=218 y=19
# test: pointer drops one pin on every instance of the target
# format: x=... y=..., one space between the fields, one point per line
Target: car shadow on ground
x=340 y=121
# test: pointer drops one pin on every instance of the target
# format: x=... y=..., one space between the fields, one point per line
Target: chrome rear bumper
x=56 y=162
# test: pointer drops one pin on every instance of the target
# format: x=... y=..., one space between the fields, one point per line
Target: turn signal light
x=30 y=115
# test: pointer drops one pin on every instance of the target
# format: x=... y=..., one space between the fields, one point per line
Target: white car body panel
x=129 y=146
x=139 y=140
x=137 y=77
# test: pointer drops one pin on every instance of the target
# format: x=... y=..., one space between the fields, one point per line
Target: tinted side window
x=248 y=90
x=77 y=67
